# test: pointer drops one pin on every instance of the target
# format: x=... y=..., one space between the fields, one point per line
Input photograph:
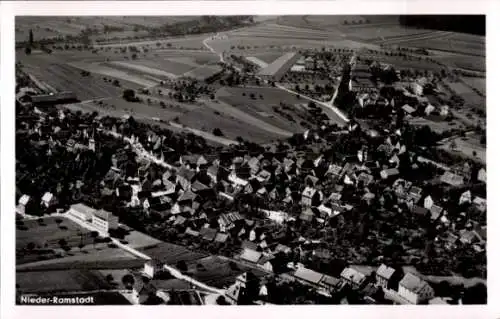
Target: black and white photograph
x=250 y=160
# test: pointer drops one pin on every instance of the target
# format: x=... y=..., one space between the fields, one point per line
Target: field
x=203 y=72
x=48 y=232
x=468 y=63
x=477 y=83
x=268 y=57
x=450 y=42
x=436 y=126
x=207 y=120
x=262 y=108
x=67 y=280
x=471 y=98
x=467 y=146
x=47 y=252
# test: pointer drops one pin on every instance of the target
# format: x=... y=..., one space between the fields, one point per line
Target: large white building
x=81 y=211
x=104 y=221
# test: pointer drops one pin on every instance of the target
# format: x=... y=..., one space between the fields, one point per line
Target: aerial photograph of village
x=250 y=160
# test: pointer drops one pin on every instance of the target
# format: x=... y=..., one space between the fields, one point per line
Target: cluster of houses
x=396 y=286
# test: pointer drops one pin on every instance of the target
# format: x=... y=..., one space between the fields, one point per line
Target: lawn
x=470 y=63
x=67 y=280
x=268 y=57
x=449 y=44
x=141 y=68
x=467 y=146
x=470 y=97
x=162 y=64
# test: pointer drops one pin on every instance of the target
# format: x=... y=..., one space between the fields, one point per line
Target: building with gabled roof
x=414 y=289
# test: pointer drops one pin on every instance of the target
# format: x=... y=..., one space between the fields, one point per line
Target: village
x=374 y=201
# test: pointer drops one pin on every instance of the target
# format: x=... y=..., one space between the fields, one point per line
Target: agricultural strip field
x=194 y=41
x=60 y=281
x=63 y=77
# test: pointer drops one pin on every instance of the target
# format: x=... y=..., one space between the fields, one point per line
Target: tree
x=30 y=246
x=217 y=132
x=182 y=266
x=221 y=301
x=31 y=38
x=109 y=278
x=62 y=242
x=27 y=50
x=129 y=95
x=58 y=221
x=128 y=281
x=134 y=56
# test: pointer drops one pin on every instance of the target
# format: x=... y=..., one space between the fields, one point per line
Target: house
x=152 y=268
x=208 y=233
x=386 y=277
x=309 y=63
x=444 y=111
x=213 y=173
x=428 y=202
x=22 y=204
x=307 y=215
x=307 y=196
x=221 y=238
x=265 y=262
x=481 y=175
x=452 y=179
x=353 y=277
x=465 y=198
x=263 y=176
x=415 y=194
x=365 y=178
x=282 y=249
x=254 y=164
x=429 y=109
x=185 y=177
x=436 y=211
x=415 y=290
x=480 y=203
x=389 y=173
x=331 y=283
x=469 y=237
x=48 y=200
x=250 y=255
x=192 y=232
x=237 y=290
x=103 y=221
x=408 y=109
x=237 y=181
x=308 y=276
x=227 y=221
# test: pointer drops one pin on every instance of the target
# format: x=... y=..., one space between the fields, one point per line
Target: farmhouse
x=415 y=290
x=452 y=179
x=353 y=277
x=279 y=67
